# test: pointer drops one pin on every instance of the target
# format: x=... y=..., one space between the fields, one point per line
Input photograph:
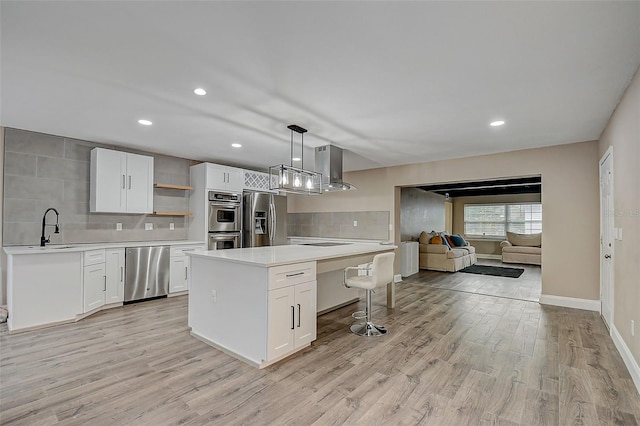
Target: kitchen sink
x=325 y=244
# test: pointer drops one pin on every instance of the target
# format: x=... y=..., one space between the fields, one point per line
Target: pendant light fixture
x=292 y=179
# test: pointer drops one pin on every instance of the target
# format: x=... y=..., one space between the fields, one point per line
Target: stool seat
x=378 y=273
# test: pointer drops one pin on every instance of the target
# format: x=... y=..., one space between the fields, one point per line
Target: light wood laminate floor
x=450 y=358
x=527 y=286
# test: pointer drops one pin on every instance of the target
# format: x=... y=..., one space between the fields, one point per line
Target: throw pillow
x=444 y=236
x=436 y=240
x=458 y=241
x=424 y=238
x=450 y=240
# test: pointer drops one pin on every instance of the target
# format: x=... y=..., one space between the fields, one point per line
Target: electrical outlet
x=148 y=226
x=633 y=328
x=118 y=227
x=391 y=227
x=355 y=223
x=619 y=234
x=172 y=226
x=214 y=296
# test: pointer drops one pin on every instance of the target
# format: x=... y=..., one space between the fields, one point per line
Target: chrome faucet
x=44 y=240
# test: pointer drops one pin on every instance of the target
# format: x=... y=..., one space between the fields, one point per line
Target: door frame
x=608 y=321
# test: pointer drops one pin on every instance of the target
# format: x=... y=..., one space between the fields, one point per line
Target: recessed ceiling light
x=200 y=91
x=236 y=145
x=145 y=122
x=296 y=159
x=496 y=123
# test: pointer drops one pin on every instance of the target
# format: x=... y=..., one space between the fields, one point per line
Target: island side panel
x=237 y=318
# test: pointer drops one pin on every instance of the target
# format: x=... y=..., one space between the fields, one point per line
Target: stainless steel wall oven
x=225 y=220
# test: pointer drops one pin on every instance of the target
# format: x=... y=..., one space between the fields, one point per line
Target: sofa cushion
x=433 y=248
x=436 y=240
x=527 y=240
x=468 y=249
x=455 y=253
x=522 y=249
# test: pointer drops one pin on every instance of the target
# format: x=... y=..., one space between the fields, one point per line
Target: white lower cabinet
x=292 y=319
x=95 y=286
x=291 y=308
x=178 y=274
x=179 y=267
x=114 y=272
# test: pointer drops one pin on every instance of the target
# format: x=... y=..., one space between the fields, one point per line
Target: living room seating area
x=439 y=251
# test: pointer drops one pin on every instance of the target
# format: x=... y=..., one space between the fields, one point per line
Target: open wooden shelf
x=170 y=186
x=173 y=213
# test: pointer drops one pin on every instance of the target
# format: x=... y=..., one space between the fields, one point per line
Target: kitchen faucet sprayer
x=44 y=240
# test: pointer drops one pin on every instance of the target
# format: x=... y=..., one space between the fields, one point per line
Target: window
x=495 y=220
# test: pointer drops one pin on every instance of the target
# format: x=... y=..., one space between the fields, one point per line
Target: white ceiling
x=391 y=82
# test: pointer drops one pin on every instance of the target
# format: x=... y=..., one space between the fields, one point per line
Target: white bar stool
x=379 y=273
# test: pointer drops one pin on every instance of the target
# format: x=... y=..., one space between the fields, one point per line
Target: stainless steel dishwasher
x=146 y=272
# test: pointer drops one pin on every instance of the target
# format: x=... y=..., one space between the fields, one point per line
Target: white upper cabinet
x=224 y=178
x=121 y=182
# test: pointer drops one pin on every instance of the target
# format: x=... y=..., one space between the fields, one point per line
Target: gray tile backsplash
x=44 y=171
x=371 y=225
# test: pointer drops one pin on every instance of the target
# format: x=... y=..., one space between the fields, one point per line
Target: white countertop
x=288 y=254
x=66 y=248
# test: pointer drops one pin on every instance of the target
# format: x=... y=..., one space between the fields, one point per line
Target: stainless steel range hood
x=329 y=163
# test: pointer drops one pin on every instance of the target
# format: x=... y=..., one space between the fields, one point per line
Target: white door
x=108 y=184
x=114 y=270
x=281 y=322
x=235 y=179
x=216 y=177
x=606 y=237
x=306 y=313
x=139 y=183
x=95 y=285
x=178 y=274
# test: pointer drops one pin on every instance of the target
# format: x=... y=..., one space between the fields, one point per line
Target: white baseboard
x=627 y=356
x=570 y=302
x=397 y=278
x=489 y=256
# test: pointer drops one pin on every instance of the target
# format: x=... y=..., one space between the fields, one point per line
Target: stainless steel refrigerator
x=265 y=219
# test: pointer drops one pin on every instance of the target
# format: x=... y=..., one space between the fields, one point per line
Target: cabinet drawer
x=286 y=275
x=180 y=250
x=93 y=257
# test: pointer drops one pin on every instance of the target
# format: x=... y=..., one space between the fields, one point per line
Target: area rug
x=496 y=271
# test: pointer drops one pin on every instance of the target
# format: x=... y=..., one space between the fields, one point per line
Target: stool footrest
x=359 y=315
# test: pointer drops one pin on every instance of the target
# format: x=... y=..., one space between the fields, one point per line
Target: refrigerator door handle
x=272 y=222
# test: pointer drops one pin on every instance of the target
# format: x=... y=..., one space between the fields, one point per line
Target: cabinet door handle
x=121 y=273
x=105 y=283
x=299 y=314
x=185 y=272
x=123 y=181
x=129 y=181
x=295 y=275
x=293 y=317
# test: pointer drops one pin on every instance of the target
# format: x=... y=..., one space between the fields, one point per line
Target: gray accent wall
x=370 y=225
x=42 y=171
x=420 y=211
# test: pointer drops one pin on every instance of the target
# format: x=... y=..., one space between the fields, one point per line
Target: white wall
x=623 y=134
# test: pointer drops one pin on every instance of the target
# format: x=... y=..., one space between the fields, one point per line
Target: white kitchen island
x=260 y=304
